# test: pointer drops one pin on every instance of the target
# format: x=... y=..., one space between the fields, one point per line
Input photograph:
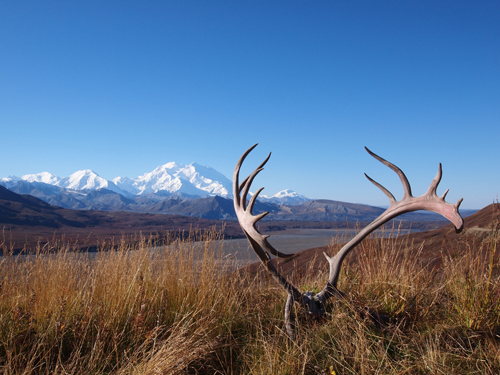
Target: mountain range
x=172 y=188
x=191 y=181
x=177 y=189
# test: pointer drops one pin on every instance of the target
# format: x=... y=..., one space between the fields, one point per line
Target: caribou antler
x=314 y=304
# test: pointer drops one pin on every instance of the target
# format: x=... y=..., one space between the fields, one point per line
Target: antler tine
x=252 y=202
x=256 y=218
x=402 y=177
x=435 y=182
x=236 y=175
x=248 y=184
x=260 y=167
x=443 y=197
x=244 y=187
x=384 y=190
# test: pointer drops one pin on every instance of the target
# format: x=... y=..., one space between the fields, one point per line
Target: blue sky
x=121 y=87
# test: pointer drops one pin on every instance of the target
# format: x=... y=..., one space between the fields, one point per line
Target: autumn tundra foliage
x=180 y=306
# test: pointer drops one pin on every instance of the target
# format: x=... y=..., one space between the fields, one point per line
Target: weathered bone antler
x=314 y=304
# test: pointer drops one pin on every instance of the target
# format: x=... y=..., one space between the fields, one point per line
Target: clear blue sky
x=121 y=87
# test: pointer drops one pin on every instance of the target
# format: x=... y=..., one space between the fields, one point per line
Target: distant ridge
x=28 y=221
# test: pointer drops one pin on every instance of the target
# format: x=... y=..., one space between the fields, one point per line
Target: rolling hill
x=27 y=220
x=444 y=240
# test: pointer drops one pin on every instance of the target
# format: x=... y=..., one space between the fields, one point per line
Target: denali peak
x=192 y=179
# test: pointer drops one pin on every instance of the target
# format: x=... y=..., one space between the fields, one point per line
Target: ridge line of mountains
x=188 y=190
x=188 y=181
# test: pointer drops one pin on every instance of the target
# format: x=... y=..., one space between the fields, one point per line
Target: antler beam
x=428 y=202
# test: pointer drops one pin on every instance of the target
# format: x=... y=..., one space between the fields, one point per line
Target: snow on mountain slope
x=80 y=180
x=9 y=180
x=208 y=179
x=287 y=196
x=88 y=180
x=84 y=180
x=192 y=179
x=126 y=184
x=45 y=177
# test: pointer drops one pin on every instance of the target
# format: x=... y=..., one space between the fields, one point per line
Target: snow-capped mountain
x=172 y=178
x=174 y=182
x=86 y=180
x=192 y=179
x=80 y=180
x=288 y=197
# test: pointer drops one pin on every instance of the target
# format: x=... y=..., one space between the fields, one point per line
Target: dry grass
x=180 y=309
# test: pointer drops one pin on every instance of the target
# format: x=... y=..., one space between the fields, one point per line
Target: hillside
x=436 y=242
x=27 y=220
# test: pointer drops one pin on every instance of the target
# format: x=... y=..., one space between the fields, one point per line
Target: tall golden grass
x=147 y=308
